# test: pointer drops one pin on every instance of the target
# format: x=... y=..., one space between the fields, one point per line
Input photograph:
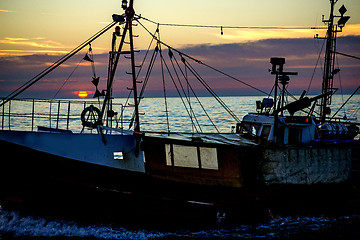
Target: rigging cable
x=53 y=66
x=340 y=83
x=346 y=103
x=199 y=77
x=187 y=96
x=177 y=89
x=150 y=67
x=355 y=112
x=66 y=80
x=147 y=76
x=317 y=62
x=163 y=80
x=223 y=27
x=198 y=61
x=347 y=55
x=202 y=81
x=192 y=90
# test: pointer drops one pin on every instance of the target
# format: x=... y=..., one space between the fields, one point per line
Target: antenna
x=277 y=69
x=329 y=70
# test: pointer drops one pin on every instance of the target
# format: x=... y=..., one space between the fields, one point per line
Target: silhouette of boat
x=277 y=159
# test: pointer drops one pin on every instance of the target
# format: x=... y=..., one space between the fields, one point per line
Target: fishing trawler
x=275 y=156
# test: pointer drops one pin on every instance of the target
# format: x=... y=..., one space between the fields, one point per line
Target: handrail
x=26 y=114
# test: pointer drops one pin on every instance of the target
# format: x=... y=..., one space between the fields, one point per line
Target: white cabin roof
x=256 y=118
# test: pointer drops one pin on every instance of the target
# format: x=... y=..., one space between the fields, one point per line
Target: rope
x=92 y=58
x=192 y=90
x=206 y=65
x=346 y=103
x=151 y=64
x=198 y=76
x=49 y=69
x=187 y=96
x=340 y=84
x=163 y=79
x=313 y=73
x=177 y=89
x=223 y=27
x=66 y=80
x=347 y=55
x=202 y=81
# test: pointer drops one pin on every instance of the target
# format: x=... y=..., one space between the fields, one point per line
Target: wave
x=18 y=225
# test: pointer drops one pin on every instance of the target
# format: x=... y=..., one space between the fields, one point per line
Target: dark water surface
x=16 y=225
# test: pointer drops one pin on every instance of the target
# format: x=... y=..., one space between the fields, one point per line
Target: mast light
x=342 y=21
x=118 y=18
x=124 y=4
x=117 y=31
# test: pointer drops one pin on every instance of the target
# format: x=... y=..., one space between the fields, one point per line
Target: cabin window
x=245 y=128
x=295 y=135
x=191 y=156
x=208 y=158
x=185 y=156
x=252 y=129
x=265 y=131
x=118 y=156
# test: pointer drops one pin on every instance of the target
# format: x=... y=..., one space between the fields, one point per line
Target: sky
x=35 y=33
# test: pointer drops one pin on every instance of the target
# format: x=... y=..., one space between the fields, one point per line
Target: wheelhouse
x=291 y=130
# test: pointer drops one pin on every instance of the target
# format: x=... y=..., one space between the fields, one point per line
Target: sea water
x=158 y=115
x=15 y=225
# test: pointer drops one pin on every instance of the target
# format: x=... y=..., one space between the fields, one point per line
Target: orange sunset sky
x=35 y=33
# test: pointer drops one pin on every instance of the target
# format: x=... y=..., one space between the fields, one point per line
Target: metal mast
x=329 y=70
x=114 y=59
x=129 y=15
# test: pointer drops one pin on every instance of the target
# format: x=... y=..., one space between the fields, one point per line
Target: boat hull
x=49 y=183
x=319 y=178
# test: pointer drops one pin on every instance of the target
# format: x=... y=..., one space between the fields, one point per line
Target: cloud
x=6 y=11
x=16 y=70
x=351 y=30
x=30 y=52
x=243 y=35
x=246 y=35
x=38 y=42
x=16 y=39
x=16 y=46
x=248 y=62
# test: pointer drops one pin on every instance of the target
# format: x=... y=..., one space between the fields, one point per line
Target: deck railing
x=29 y=114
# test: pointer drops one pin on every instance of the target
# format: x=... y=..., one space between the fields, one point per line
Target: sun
x=82 y=94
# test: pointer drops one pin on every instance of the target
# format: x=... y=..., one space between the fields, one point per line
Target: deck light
x=124 y=4
x=342 y=21
x=117 y=31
